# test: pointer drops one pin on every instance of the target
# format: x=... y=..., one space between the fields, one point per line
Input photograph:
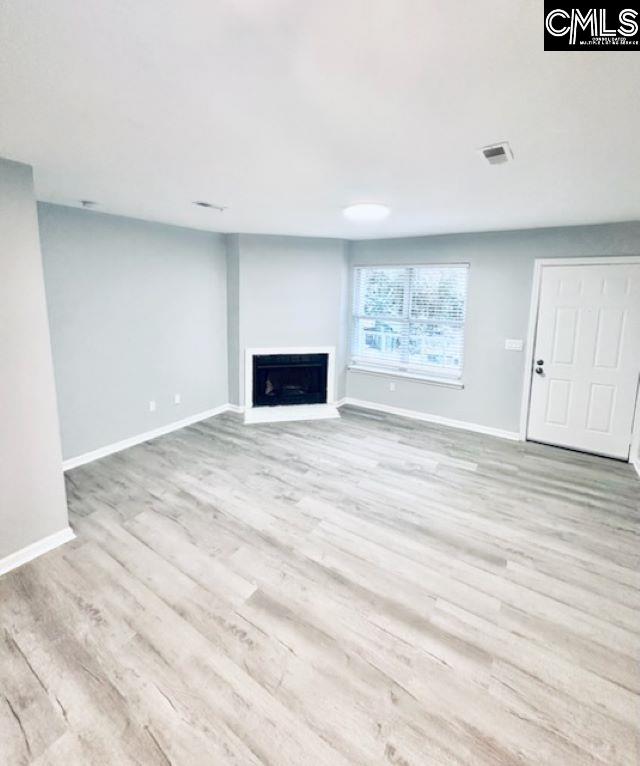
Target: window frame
x=446 y=376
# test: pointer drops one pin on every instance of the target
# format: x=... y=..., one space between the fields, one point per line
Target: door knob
x=539 y=370
x=540 y=361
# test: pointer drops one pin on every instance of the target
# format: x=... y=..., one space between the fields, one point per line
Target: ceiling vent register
x=497 y=154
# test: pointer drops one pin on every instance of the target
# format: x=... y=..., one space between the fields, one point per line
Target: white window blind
x=410 y=319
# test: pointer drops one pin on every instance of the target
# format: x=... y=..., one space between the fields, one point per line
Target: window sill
x=431 y=379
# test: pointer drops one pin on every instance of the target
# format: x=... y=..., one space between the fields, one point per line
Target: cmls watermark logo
x=571 y=28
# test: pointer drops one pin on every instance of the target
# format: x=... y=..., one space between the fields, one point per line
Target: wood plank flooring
x=368 y=591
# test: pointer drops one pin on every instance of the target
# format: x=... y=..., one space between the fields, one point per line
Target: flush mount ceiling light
x=366 y=212
x=210 y=206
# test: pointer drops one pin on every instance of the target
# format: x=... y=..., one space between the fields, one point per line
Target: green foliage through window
x=410 y=318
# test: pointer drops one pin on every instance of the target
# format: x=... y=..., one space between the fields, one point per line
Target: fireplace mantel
x=254 y=414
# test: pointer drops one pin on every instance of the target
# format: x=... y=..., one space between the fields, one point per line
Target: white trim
x=412 y=264
x=250 y=417
x=430 y=379
x=30 y=552
x=109 y=449
x=539 y=264
x=589 y=260
x=634 y=451
x=290 y=412
x=429 y=418
x=237 y=408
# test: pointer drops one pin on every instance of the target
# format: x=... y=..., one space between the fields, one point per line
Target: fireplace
x=289 y=379
x=289 y=383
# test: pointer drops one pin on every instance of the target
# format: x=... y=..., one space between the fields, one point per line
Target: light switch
x=177 y=399
x=513 y=344
x=152 y=406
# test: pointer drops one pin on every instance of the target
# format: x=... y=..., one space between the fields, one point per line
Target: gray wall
x=141 y=311
x=32 y=497
x=292 y=291
x=233 y=316
x=137 y=312
x=500 y=277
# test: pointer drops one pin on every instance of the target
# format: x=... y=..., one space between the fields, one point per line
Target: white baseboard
x=109 y=449
x=635 y=462
x=239 y=408
x=427 y=417
x=30 y=552
x=293 y=412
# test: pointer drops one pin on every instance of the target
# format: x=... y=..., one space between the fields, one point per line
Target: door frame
x=634 y=454
x=539 y=265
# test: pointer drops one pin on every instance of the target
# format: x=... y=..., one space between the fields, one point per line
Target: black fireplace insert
x=289 y=379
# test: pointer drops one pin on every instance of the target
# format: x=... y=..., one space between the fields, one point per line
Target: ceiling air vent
x=210 y=205
x=497 y=154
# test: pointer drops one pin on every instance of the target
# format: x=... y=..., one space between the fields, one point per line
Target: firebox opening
x=286 y=379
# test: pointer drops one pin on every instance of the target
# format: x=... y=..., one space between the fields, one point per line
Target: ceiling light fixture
x=210 y=206
x=366 y=212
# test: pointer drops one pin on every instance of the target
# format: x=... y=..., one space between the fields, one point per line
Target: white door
x=587 y=357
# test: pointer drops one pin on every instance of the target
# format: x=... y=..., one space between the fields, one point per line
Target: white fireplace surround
x=291 y=411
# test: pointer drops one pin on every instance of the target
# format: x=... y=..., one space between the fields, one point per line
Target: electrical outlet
x=392 y=386
x=152 y=406
x=513 y=344
x=177 y=399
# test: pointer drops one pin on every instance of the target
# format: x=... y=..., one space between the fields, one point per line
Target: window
x=410 y=319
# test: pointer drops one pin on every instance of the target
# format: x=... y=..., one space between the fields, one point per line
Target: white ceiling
x=288 y=110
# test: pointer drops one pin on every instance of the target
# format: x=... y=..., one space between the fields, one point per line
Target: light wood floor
x=362 y=591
